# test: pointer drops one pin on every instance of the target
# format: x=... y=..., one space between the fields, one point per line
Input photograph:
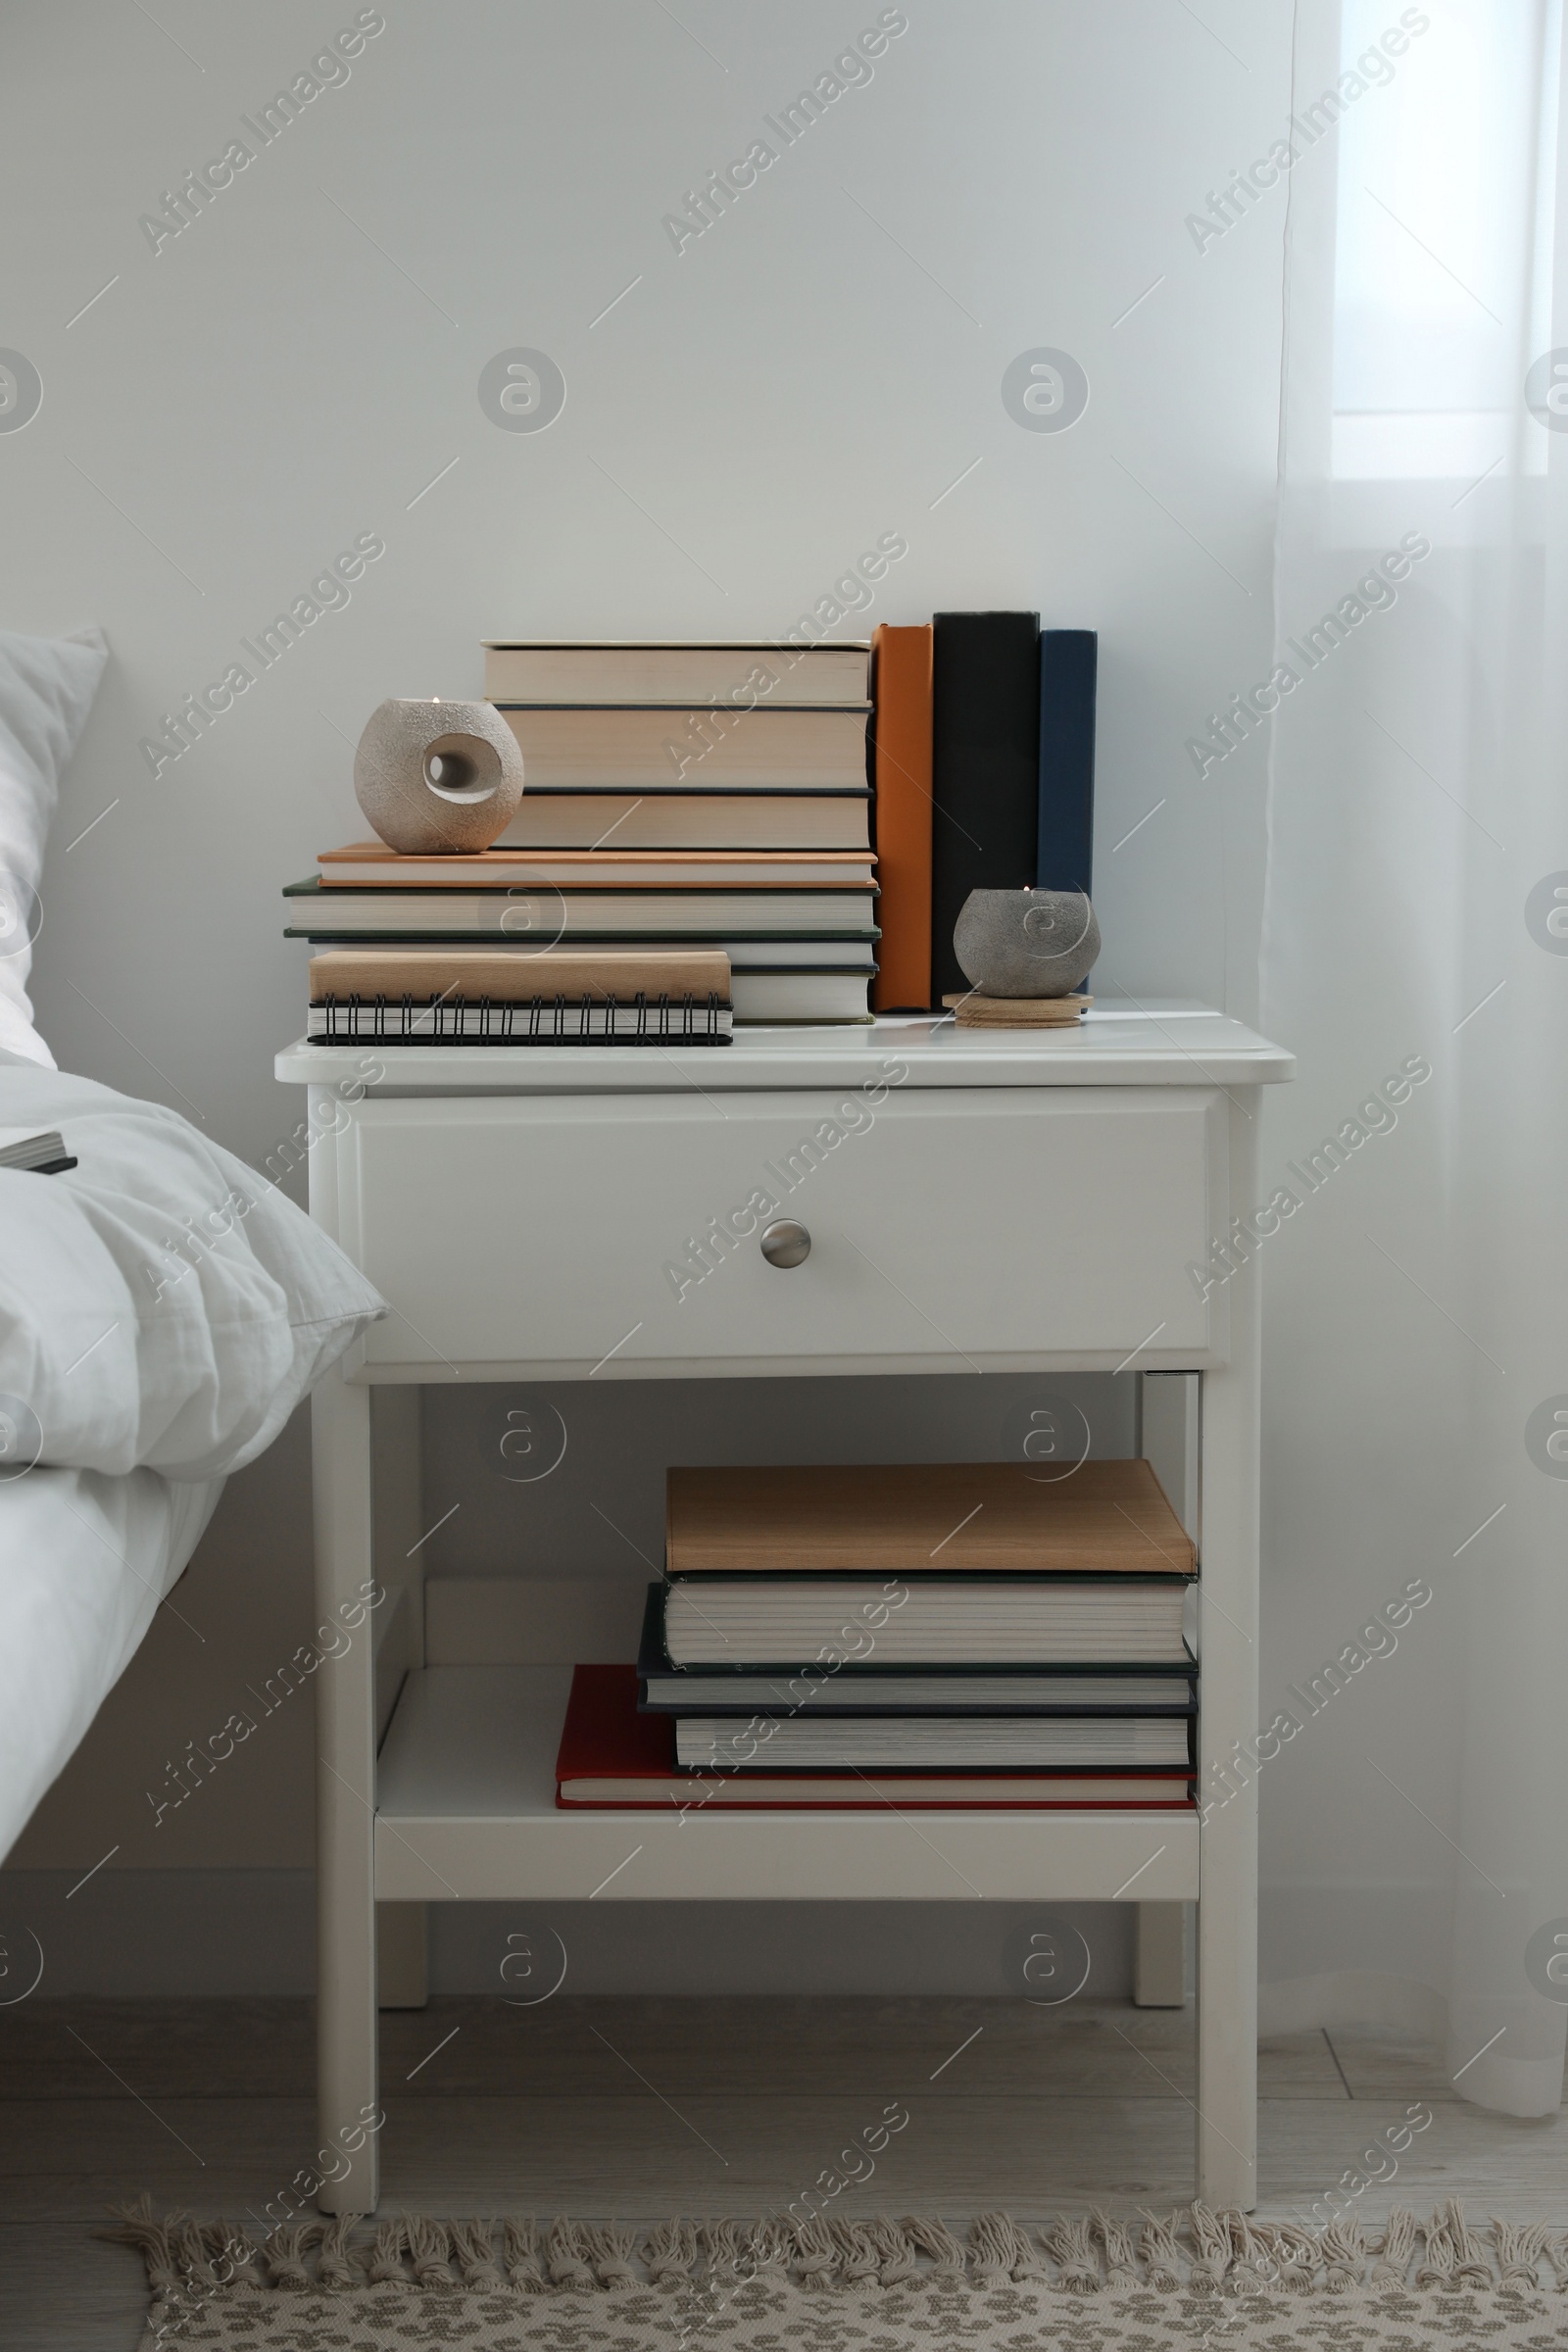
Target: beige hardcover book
x=691 y=821
x=371 y=866
x=940 y=1517
x=512 y=979
x=516 y=670
x=525 y=915
x=659 y=748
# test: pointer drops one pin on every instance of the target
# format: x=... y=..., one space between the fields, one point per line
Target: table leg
x=348 y=2110
x=402 y=1533
x=1227 y=1787
x=1168 y=1440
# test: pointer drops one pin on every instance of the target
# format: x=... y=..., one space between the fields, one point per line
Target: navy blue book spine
x=1065 y=851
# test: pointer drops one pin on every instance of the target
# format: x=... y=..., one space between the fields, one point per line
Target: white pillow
x=161 y=1304
x=46 y=690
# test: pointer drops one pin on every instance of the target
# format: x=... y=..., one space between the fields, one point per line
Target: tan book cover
x=939 y=1517
x=509 y=978
x=370 y=864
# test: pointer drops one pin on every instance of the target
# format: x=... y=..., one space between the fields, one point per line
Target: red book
x=612 y=1757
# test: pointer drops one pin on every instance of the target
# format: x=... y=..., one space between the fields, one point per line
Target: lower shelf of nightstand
x=466 y=1812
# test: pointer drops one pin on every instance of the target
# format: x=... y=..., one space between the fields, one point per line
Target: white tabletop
x=1154 y=1044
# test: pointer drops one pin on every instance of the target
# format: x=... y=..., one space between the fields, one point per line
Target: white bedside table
x=1011 y=1200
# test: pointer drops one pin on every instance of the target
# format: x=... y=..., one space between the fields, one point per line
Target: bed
x=85 y=1558
x=163 y=1308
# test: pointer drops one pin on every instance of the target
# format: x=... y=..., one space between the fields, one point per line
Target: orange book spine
x=901 y=691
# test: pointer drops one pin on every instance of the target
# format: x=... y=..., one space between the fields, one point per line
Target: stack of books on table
x=679 y=800
x=956 y=1634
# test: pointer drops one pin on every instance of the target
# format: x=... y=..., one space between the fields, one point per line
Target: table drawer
x=992 y=1226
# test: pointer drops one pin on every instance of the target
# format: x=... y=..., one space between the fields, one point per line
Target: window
x=1440 y=152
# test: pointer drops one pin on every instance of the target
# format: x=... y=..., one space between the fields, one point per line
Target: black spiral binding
x=527 y=1022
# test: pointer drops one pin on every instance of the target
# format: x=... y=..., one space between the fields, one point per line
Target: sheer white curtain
x=1415 y=1827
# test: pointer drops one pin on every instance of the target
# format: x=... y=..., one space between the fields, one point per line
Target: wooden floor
x=640 y=2109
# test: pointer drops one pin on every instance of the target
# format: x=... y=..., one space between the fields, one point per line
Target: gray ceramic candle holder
x=436 y=778
x=1026 y=942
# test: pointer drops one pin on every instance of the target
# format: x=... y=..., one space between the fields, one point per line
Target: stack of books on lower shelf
x=966 y=1635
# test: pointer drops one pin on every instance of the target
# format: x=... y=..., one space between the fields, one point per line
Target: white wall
x=815 y=369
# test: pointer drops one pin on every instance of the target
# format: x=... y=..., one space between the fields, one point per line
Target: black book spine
x=1068 y=660
x=985 y=772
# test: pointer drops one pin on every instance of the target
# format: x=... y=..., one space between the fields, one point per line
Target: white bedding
x=161 y=1307
x=84 y=1560
x=162 y=1310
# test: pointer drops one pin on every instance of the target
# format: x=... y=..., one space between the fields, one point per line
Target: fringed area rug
x=1187 y=2281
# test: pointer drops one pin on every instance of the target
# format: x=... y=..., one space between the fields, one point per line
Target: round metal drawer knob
x=786 y=1244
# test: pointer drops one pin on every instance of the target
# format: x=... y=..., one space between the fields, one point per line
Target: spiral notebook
x=418 y=998
x=534 y=1021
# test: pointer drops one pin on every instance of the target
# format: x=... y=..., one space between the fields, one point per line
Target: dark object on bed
x=42 y=1154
